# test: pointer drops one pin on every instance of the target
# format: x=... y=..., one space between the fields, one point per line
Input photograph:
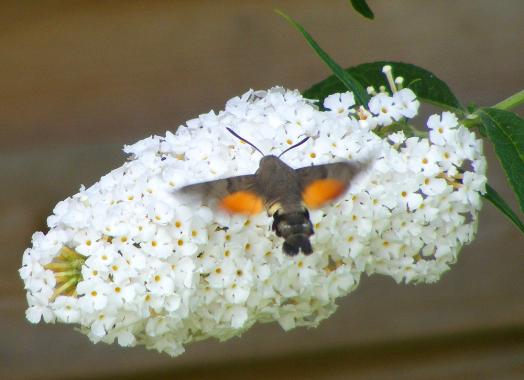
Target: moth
x=286 y=193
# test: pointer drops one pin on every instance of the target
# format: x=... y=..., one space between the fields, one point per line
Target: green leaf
x=492 y=196
x=506 y=131
x=345 y=79
x=424 y=84
x=361 y=7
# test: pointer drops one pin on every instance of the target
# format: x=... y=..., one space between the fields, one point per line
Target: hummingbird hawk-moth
x=285 y=193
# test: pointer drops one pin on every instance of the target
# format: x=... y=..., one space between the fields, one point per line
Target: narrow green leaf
x=506 y=131
x=363 y=8
x=346 y=79
x=426 y=85
x=492 y=196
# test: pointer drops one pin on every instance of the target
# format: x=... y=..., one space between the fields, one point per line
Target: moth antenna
x=244 y=140
x=294 y=146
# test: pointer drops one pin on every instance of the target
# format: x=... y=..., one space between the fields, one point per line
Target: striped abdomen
x=296 y=228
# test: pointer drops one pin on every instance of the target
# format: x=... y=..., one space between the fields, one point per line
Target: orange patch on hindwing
x=242 y=202
x=322 y=191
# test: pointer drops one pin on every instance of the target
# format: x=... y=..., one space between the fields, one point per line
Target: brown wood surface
x=79 y=79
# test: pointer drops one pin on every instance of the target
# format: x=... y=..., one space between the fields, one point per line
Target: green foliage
x=425 y=84
x=503 y=128
x=492 y=196
x=345 y=78
x=506 y=131
x=363 y=8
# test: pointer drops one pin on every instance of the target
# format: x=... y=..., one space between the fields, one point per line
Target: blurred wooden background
x=80 y=79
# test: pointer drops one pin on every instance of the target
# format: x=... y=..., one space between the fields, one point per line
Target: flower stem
x=472 y=121
x=513 y=101
x=57 y=266
x=64 y=287
x=67 y=273
x=68 y=253
x=418 y=133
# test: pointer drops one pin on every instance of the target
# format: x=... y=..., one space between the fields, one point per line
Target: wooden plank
x=497 y=354
x=85 y=72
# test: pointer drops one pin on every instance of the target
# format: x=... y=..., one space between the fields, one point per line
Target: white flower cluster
x=129 y=259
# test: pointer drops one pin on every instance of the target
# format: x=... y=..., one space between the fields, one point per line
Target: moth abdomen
x=296 y=243
x=295 y=228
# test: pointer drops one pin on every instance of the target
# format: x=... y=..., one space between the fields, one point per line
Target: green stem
x=57 y=266
x=418 y=133
x=472 y=122
x=67 y=274
x=513 y=101
x=64 y=287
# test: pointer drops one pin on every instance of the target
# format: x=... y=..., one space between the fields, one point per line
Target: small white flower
x=122 y=292
x=470 y=190
x=38 y=309
x=160 y=212
x=384 y=108
x=87 y=242
x=442 y=128
x=423 y=157
x=397 y=138
x=102 y=323
x=66 y=309
x=126 y=339
x=160 y=280
x=433 y=186
x=94 y=294
x=340 y=104
x=101 y=259
x=406 y=103
x=366 y=120
x=238 y=316
x=161 y=244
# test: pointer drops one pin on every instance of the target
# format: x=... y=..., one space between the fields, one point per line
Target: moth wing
x=236 y=195
x=323 y=183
